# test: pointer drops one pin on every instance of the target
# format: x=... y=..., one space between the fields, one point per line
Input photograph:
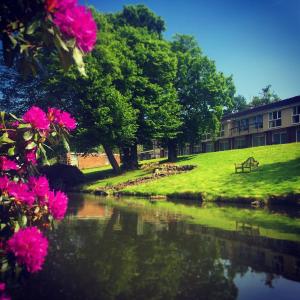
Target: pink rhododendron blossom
x=39 y=185
x=20 y=191
x=4 y=182
x=77 y=22
x=65 y=4
x=30 y=156
x=7 y=164
x=29 y=247
x=15 y=124
x=62 y=118
x=37 y=118
x=2 y=286
x=58 y=204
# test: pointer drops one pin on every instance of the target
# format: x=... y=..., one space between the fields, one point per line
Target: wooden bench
x=249 y=164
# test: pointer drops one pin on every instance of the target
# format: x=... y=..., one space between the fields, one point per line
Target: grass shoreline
x=277 y=179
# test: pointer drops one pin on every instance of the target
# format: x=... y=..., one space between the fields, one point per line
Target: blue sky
x=257 y=41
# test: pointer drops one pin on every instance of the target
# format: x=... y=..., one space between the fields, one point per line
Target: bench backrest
x=250 y=161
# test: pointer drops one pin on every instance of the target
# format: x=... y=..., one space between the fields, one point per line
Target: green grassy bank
x=214 y=177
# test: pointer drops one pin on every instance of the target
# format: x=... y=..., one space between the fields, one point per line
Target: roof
x=273 y=105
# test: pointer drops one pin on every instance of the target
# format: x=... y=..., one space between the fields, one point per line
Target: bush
x=62 y=176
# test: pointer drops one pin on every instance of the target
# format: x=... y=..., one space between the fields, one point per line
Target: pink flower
x=37 y=118
x=7 y=164
x=29 y=247
x=15 y=124
x=39 y=185
x=2 y=286
x=62 y=118
x=20 y=191
x=64 y=4
x=4 y=182
x=30 y=156
x=58 y=204
x=77 y=22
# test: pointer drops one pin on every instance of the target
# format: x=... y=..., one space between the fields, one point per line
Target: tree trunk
x=134 y=165
x=130 y=158
x=112 y=159
x=172 y=152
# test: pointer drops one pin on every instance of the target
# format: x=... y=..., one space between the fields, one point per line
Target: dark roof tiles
x=273 y=105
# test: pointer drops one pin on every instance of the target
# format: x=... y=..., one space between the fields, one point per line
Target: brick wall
x=93 y=160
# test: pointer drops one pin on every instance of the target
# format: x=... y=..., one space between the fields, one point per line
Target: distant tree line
x=139 y=88
x=266 y=96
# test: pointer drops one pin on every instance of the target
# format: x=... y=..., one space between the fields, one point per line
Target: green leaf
x=32 y=27
x=21 y=126
x=65 y=144
x=24 y=47
x=17 y=226
x=11 y=151
x=13 y=40
x=61 y=43
x=4 y=267
x=27 y=135
x=2 y=114
x=77 y=56
x=14 y=116
x=5 y=139
x=44 y=154
x=24 y=221
x=30 y=146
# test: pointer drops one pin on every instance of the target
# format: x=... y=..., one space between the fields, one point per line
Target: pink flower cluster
x=61 y=118
x=58 y=203
x=7 y=164
x=77 y=22
x=29 y=247
x=37 y=118
x=41 y=121
x=36 y=191
x=2 y=292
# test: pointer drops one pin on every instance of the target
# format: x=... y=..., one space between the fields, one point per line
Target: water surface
x=135 y=249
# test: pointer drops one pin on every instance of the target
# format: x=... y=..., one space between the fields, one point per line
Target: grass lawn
x=278 y=175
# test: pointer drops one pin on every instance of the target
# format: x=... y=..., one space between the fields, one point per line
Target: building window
x=257 y=121
x=222 y=130
x=224 y=145
x=279 y=137
x=209 y=147
x=258 y=140
x=298 y=135
x=240 y=143
x=296 y=114
x=244 y=124
x=275 y=119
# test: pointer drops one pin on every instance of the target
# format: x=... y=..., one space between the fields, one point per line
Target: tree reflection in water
x=125 y=254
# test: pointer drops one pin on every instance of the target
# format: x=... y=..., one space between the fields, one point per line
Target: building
x=274 y=123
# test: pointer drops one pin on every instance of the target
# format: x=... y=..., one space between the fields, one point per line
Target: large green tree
x=150 y=69
x=203 y=92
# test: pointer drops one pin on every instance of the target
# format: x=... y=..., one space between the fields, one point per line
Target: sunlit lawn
x=278 y=174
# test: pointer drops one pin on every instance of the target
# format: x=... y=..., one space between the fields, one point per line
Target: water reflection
x=106 y=251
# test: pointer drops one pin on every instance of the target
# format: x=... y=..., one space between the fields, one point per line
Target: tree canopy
x=138 y=87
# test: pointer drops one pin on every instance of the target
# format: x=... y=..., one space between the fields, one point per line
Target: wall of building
x=93 y=160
